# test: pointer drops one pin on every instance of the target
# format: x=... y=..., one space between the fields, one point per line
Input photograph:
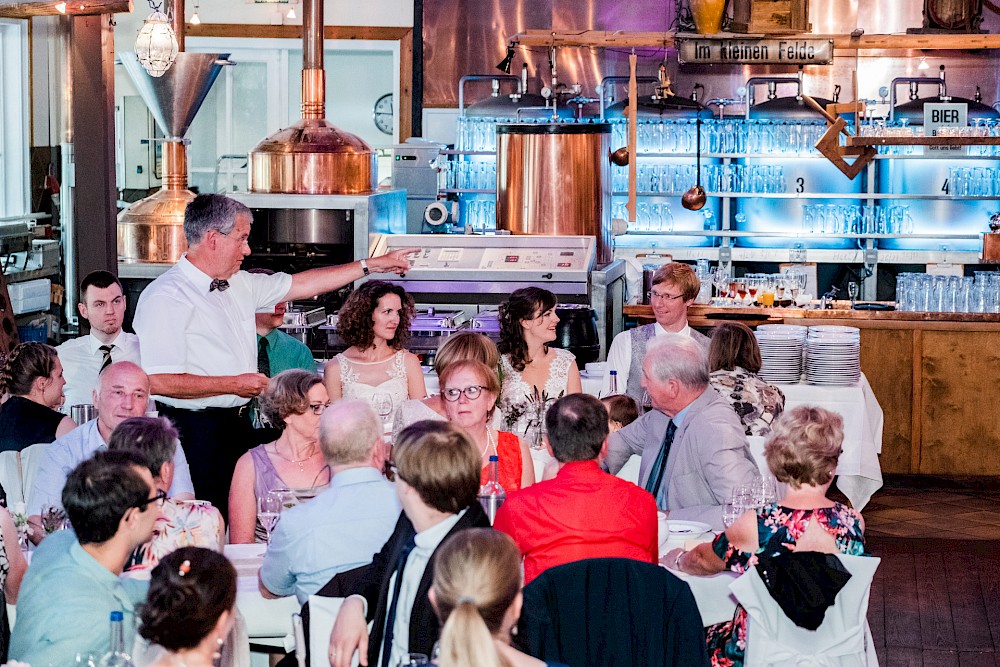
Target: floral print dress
x=778 y=530
x=756 y=402
x=181 y=523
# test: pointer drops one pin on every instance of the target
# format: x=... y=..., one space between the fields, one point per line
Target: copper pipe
x=174 y=166
x=312 y=34
x=177 y=22
x=313 y=93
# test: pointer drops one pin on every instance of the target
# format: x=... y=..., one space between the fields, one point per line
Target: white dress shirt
x=82 y=358
x=59 y=459
x=620 y=357
x=185 y=328
x=413 y=571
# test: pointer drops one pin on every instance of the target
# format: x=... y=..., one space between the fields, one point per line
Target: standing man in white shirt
x=197 y=327
x=675 y=287
x=102 y=303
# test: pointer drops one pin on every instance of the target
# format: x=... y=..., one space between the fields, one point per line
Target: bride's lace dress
x=523 y=406
x=375 y=382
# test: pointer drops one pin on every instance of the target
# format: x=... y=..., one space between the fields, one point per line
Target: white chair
x=843 y=639
x=18 y=471
x=322 y=614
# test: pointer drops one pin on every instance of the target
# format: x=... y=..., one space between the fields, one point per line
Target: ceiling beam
x=25 y=9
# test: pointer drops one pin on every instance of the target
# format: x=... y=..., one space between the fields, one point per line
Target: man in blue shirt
x=343 y=527
x=72 y=585
x=276 y=350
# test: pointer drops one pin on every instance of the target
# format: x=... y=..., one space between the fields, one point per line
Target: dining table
x=859 y=474
x=268 y=622
x=716 y=603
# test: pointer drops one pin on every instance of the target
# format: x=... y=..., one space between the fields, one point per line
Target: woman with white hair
x=802 y=452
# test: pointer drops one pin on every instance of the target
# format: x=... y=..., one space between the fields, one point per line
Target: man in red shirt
x=583 y=512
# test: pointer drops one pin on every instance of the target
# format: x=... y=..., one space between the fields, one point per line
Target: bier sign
x=754 y=51
x=939 y=116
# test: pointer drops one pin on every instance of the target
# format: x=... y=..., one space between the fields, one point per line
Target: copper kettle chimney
x=152 y=229
x=312 y=156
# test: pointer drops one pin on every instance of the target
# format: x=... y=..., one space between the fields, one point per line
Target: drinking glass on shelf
x=753 y=286
x=720 y=279
x=741 y=290
x=268 y=512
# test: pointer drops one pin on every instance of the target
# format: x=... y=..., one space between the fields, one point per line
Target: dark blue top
x=24 y=422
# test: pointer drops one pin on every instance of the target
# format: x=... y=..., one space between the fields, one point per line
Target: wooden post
x=633 y=144
x=95 y=213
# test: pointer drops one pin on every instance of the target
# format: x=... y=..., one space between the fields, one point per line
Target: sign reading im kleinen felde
x=788 y=51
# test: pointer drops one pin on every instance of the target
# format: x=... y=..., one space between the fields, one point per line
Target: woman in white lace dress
x=375 y=322
x=533 y=375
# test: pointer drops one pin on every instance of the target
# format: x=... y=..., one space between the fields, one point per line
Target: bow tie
x=217 y=284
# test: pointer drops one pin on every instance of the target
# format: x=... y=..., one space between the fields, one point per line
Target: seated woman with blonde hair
x=462 y=346
x=476 y=594
x=802 y=452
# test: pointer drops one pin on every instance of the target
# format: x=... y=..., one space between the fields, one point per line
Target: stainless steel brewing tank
x=555 y=180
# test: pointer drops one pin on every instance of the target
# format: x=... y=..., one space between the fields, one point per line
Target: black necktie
x=218 y=284
x=390 y=618
x=106 y=349
x=660 y=464
x=263 y=358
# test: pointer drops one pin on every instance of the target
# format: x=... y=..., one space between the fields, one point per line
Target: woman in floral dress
x=803 y=453
x=181 y=523
x=533 y=375
x=734 y=360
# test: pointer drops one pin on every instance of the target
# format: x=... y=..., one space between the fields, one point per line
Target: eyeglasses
x=242 y=240
x=471 y=393
x=158 y=499
x=657 y=296
x=318 y=408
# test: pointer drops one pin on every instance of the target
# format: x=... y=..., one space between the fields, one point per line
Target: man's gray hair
x=211 y=211
x=677 y=357
x=347 y=432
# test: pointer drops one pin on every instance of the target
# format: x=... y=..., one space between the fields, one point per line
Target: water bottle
x=117 y=657
x=612 y=383
x=491 y=494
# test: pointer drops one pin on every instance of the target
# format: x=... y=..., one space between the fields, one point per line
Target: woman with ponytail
x=32 y=378
x=476 y=595
x=189 y=607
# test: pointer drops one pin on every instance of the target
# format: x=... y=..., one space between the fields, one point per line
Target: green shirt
x=286 y=352
x=65 y=604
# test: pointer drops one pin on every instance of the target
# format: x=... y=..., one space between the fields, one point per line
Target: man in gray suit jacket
x=692 y=443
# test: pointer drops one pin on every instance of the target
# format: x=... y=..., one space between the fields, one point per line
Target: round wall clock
x=382 y=113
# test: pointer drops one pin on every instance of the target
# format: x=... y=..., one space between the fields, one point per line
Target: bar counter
x=932 y=373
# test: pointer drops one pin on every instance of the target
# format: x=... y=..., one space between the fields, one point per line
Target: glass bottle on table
x=491 y=494
x=117 y=657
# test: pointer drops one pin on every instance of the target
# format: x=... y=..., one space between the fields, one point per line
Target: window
x=14 y=180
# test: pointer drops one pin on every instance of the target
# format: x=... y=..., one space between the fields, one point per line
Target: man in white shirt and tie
x=197 y=327
x=102 y=303
x=675 y=287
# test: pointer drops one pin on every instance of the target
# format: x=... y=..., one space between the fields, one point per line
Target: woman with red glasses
x=469 y=390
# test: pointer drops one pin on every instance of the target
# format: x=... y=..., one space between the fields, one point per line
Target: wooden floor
x=935 y=602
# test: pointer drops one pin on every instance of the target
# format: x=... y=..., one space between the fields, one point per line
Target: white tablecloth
x=859 y=474
x=268 y=621
x=715 y=603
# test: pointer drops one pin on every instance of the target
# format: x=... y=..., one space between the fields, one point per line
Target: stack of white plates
x=833 y=355
x=781 y=352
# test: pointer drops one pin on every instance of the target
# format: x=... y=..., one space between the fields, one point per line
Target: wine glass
x=268 y=511
x=382 y=404
x=720 y=279
x=741 y=501
x=852 y=292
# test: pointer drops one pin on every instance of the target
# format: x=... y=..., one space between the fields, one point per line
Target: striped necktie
x=655 y=479
x=106 y=349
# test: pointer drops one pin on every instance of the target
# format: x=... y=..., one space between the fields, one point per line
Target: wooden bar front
x=934 y=374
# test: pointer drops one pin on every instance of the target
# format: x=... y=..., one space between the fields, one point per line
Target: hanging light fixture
x=61 y=7
x=923 y=63
x=156 y=45
x=195 y=19
x=291 y=14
